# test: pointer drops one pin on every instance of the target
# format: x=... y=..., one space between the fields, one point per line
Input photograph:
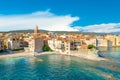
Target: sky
x=61 y=15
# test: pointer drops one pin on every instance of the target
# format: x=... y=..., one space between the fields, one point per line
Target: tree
x=47 y=48
x=91 y=46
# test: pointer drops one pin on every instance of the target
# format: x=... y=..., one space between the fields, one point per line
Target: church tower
x=36 y=44
x=36 y=31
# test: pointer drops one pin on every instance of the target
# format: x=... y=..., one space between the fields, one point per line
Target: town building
x=36 y=43
x=55 y=44
x=13 y=43
x=112 y=39
x=117 y=40
x=1 y=45
x=66 y=47
x=103 y=43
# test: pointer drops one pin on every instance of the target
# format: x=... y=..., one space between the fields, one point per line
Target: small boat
x=100 y=54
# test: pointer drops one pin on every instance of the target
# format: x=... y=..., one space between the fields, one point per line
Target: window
x=13 y=39
x=67 y=52
x=66 y=45
x=66 y=48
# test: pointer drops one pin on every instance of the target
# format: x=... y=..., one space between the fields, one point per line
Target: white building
x=61 y=46
x=93 y=41
x=66 y=47
x=54 y=44
x=104 y=43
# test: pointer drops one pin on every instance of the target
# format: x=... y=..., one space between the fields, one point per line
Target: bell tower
x=36 y=31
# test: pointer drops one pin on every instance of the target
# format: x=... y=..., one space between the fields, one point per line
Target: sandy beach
x=25 y=54
x=88 y=56
x=31 y=54
x=22 y=54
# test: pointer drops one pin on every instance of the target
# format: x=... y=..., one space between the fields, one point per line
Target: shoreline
x=31 y=54
x=88 y=57
x=13 y=55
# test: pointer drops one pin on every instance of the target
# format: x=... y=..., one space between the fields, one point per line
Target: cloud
x=44 y=19
x=100 y=28
x=50 y=21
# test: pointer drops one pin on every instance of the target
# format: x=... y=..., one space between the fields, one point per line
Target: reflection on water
x=112 y=53
x=61 y=67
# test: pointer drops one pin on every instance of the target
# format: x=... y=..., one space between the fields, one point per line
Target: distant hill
x=115 y=33
x=60 y=32
x=26 y=31
x=31 y=31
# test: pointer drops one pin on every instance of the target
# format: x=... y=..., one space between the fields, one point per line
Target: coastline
x=12 y=55
x=31 y=54
x=90 y=57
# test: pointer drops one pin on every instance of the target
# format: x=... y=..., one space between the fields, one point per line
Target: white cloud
x=107 y=28
x=44 y=19
x=50 y=21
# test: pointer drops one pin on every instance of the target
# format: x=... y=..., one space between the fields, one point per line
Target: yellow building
x=117 y=40
x=112 y=39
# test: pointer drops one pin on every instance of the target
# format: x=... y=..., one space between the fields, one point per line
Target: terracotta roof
x=84 y=46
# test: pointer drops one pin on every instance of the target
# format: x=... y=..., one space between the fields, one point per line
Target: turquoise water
x=59 y=67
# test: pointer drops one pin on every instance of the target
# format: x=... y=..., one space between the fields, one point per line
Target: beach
x=21 y=54
x=89 y=57
x=32 y=54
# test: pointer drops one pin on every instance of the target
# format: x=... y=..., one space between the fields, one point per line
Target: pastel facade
x=75 y=45
x=1 y=45
x=59 y=45
x=100 y=42
x=36 y=45
x=66 y=47
x=13 y=43
x=93 y=41
x=117 y=40
x=103 y=43
x=112 y=39
x=55 y=44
